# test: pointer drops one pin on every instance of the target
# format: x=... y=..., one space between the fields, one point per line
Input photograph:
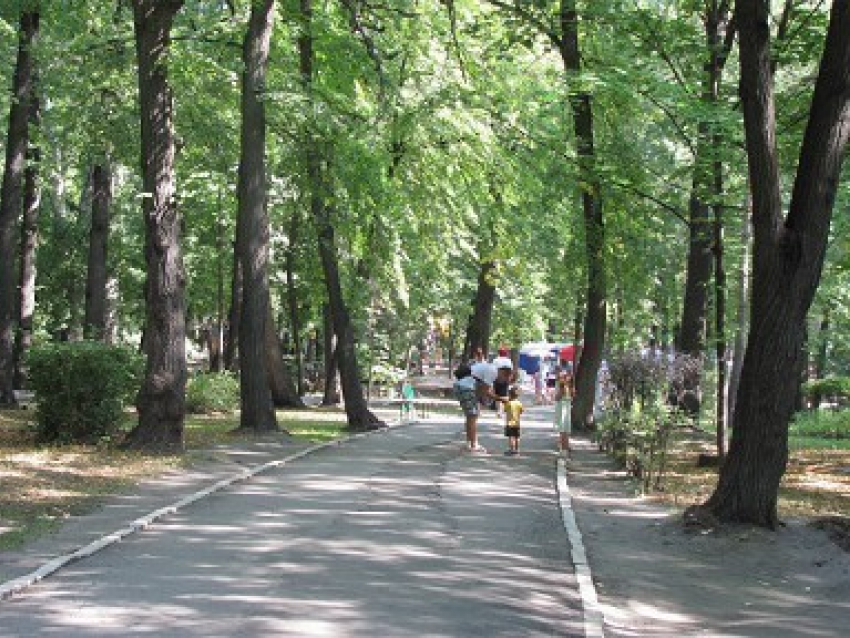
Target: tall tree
x=357 y=411
x=29 y=244
x=257 y=409
x=97 y=277
x=11 y=195
x=788 y=256
x=595 y=319
x=161 y=401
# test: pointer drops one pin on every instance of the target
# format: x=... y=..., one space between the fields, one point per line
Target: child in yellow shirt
x=513 y=410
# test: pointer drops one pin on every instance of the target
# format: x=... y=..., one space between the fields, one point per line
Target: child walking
x=513 y=410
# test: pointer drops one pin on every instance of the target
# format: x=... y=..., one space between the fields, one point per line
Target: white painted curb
x=18 y=585
x=593 y=619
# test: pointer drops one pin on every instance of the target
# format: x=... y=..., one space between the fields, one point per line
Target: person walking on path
x=563 y=406
x=513 y=412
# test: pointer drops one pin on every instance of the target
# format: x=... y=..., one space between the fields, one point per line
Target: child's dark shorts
x=512 y=431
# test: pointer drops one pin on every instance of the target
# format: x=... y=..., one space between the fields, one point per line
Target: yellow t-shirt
x=513 y=409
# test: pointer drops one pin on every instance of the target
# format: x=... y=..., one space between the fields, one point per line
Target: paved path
x=400 y=533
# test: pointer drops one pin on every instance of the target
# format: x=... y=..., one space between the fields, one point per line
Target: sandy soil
x=655 y=577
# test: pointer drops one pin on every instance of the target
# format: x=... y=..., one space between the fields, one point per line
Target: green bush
x=212 y=392
x=832 y=389
x=81 y=389
x=821 y=424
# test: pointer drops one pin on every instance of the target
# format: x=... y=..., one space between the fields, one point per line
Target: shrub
x=833 y=389
x=81 y=389
x=821 y=424
x=212 y=392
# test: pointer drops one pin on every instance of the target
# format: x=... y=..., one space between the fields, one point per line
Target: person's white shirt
x=484 y=372
x=502 y=363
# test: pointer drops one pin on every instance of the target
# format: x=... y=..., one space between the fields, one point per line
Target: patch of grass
x=44 y=485
x=816 y=482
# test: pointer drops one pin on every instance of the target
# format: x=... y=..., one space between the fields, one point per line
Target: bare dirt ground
x=657 y=577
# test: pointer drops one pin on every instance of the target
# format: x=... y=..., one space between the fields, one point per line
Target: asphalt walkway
x=399 y=533
x=402 y=533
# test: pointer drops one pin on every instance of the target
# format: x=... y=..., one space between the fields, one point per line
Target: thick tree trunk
x=284 y=394
x=788 y=258
x=481 y=319
x=96 y=317
x=595 y=319
x=161 y=399
x=256 y=397
x=356 y=409
x=11 y=197
x=29 y=244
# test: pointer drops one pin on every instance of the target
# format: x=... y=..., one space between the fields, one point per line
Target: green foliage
x=832 y=389
x=824 y=424
x=81 y=389
x=213 y=392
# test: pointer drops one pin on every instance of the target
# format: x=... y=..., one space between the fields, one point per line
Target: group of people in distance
x=480 y=382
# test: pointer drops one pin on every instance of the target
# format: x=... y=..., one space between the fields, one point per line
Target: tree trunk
x=330 y=394
x=231 y=342
x=719 y=308
x=161 y=399
x=29 y=244
x=595 y=319
x=257 y=408
x=217 y=338
x=11 y=197
x=692 y=328
x=96 y=316
x=479 y=326
x=788 y=258
x=356 y=409
x=292 y=302
x=284 y=394
x=743 y=300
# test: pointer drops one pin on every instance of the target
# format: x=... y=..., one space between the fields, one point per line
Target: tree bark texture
x=29 y=246
x=481 y=319
x=787 y=261
x=11 y=197
x=284 y=394
x=97 y=277
x=595 y=319
x=256 y=397
x=292 y=303
x=330 y=395
x=234 y=315
x=161 y=399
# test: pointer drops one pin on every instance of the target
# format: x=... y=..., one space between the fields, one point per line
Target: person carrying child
x=513 y=411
